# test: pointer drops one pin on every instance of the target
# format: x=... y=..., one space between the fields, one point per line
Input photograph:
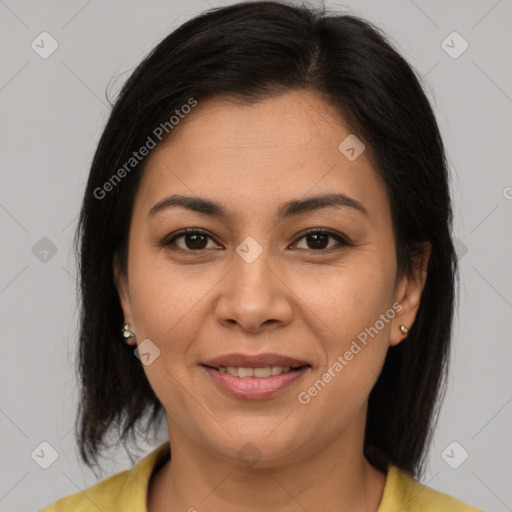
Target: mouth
x=261 y=372
x=254 y=361
x=247 y=383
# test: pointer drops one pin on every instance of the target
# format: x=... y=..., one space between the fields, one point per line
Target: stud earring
x=127 y=333
x=404 y=330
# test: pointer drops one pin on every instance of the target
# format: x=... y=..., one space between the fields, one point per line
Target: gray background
x=52 y=114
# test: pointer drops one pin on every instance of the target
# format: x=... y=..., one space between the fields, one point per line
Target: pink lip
x=253 y=388
x=253 y=361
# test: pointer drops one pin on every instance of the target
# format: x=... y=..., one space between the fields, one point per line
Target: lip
x=254 y=361
x=255 y=388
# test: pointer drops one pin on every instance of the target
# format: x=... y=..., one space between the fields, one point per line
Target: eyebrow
x=286 y=210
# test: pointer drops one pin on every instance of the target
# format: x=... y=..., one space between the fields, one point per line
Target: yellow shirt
x=127 y=492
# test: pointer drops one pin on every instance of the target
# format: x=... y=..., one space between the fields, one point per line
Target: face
x=254 y=281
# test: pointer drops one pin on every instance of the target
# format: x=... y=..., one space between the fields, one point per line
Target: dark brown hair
x=250 y=51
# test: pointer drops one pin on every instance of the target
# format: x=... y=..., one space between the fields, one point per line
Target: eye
x=318 y=238
x=195 y=240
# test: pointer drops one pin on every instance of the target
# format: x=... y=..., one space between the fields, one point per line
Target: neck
x=337 y=478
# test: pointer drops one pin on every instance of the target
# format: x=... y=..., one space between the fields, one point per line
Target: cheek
x=165 y=312
x=352 y=317
x=168 y=298
x=354 y=349
x=164 y=300
x=350 y=297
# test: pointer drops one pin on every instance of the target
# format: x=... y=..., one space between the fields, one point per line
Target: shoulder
x=404 y=493
x=126 y=490
x=102 y=495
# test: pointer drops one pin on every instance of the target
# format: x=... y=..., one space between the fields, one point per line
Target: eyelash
x=339 y=238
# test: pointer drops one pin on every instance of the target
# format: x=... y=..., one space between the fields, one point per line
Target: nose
x=254 y=296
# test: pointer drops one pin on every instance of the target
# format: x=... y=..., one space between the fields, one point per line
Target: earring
x=404 y=330
x=126 y=332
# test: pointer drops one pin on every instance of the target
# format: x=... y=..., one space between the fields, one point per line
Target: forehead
x=254 y=157
x=283 y=124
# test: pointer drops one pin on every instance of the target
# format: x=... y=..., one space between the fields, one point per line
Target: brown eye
x=193 y=240
x=317 y=240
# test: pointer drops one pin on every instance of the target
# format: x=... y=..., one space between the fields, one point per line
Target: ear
x=121 y=284
x=408 y=294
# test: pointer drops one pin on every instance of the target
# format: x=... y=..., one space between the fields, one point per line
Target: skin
x=294 y=299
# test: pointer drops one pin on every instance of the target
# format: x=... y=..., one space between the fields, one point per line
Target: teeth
x=254 y=372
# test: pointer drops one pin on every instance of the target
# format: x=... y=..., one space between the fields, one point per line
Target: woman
x=267 y=227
